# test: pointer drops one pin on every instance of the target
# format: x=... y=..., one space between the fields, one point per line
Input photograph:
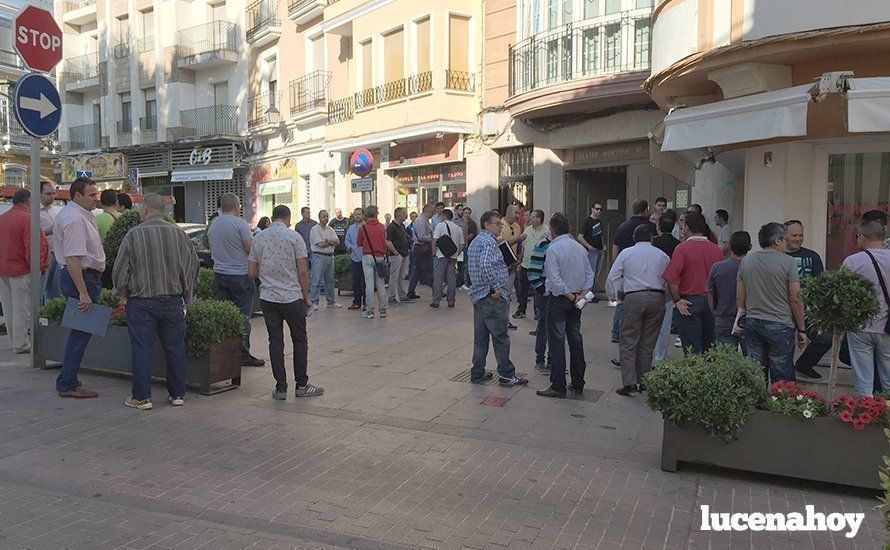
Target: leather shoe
x=626 y=390
x=615 y=362
x=413 y=297
x=550 y=392
x=577 y=390
x=79 y=393
x=251 y=361
x=641 y=388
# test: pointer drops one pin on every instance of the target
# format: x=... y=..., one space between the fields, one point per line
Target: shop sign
x=104 y=166
x=362 y=185
x=612 y=152
x=425 y=152
x=432 y=175
x=285 y=169
x=456 y=172
x=199 y=156
x=406 y=178
x=276 y=187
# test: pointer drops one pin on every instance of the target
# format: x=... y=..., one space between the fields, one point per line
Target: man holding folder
x=155 y=267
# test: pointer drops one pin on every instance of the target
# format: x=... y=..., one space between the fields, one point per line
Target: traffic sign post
x=38 y=108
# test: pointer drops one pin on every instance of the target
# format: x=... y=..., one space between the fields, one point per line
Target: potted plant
x=838 y=301
x=342 y=264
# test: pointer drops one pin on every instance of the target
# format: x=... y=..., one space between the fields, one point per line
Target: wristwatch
x=802 y=331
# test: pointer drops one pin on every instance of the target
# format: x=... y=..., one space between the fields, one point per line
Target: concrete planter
x=820 y=449
x=112 y=354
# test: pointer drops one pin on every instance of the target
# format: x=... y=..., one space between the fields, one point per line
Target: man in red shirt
x=15 y=268
x=687 y=278
x=372 y=240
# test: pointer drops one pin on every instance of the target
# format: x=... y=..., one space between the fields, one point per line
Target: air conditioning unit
x=491 y=124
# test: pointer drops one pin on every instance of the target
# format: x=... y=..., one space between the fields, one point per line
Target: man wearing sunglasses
x=591 y=236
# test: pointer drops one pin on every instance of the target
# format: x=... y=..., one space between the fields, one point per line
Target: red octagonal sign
x=38 y=39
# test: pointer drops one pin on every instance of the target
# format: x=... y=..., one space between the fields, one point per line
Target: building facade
x=790 y=96
x=153 y=93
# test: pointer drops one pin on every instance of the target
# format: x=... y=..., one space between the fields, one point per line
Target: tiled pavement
x=394 y=455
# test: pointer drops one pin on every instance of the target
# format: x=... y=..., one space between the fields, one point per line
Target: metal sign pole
x=36 y=290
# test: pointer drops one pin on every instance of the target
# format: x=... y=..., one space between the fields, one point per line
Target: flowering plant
x=793 y=400
x=118 y=316
x=860 y=412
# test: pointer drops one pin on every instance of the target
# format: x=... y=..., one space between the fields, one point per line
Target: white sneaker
x=176 y=401
x=144 y=405
x=335 y=305
x=465 y=288
x=678 y=343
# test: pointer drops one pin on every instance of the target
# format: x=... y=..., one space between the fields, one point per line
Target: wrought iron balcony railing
x=87 y=136
x=145 y=44
x=210 y=121
x=121 y=49
x=398 y=89
x=460 y=81
x=209 y=37
x=257 y=107
x=603 y=46
x=341 y=110
x=261 y=15
x=124 y=126
x=11 y=131
x=81 y=67
x=309 y=92
x=148 y=123
x=11 y=60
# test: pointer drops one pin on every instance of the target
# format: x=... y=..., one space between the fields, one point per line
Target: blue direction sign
x=83 y=174
x=37 y=105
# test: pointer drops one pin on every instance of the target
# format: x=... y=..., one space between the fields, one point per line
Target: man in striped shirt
x=156 y=266
x=536 y=280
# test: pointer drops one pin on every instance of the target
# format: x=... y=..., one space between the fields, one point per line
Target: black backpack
x=445 y=243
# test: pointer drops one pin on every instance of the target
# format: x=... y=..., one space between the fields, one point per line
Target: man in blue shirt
x=355 y=254
x=490 y=294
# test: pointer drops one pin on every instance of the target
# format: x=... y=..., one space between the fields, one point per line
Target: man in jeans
x=78 y=249
x=769 y=294
x=356 y=271
x=533 y=234
x=591 y=238
x=569 y=278
x=397 y=246
x=536 y=282
x=722 y=289
x=278 y=258
x=491 y=304
x=155 y=267
x=323 y=239
x=230 y=242
x=870 y=348
x=687 y=278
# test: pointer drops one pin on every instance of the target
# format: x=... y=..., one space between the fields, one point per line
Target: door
x=179 y=203
x=607 y=186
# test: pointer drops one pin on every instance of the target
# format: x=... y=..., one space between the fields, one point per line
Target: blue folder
x=94 y=321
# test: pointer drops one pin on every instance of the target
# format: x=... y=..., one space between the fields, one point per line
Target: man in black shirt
x=339 y=224
x=397 y=248
x=809 y=264
x=624 y=238
x=666 y=242
x=591 y=236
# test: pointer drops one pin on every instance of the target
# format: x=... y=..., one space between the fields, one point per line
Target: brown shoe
x=550 y=392
x=79 y=393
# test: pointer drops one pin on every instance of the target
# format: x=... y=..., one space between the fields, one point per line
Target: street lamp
x=273 y=115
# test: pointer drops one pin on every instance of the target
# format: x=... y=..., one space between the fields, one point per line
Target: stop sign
x=38 y=39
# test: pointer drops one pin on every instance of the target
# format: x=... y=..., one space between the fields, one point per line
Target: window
x=590 y=45
x=123 y=28
x=148 y=22
x=422 y=32
x=613 y=6
x=317 y=47
x=552 y=14
x=458 y=43
x=644 y=3
x=221 y=93
x=6 y=35
x=14 y=175
x=218 y=11
x=126 y=110
x=394 y=56
x=330 y=193
x=612 y=52
x=567 y=11
x=367 y=65
x=642 y=42
x=273 y=93
x=151 y=110
x=591 y=8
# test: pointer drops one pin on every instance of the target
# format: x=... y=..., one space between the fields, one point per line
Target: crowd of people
x=670 y=273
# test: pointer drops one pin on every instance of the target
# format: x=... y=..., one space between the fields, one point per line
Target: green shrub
x=884 y=474
x=109 y=299
x=718 y=390
x=54 y=309
x=342 y=263
x=205 y=289
x=116 y=233
x=209 y=321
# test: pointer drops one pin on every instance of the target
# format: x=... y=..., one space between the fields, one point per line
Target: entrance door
x=607 y=186
x=179 y=203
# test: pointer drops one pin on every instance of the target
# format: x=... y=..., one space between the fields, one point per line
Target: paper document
x=94 y=321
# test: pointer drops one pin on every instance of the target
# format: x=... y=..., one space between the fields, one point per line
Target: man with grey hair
x=423 y=251
x=769 y=294
x=870 y=348
x=230 y=241
x=372 y=241
x=397 y=245
x=156 y=266
x=322 y=240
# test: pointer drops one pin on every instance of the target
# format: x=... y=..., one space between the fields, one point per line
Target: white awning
x=760 y=116
x=276 y=187
x=868 y=104
x=201 y=175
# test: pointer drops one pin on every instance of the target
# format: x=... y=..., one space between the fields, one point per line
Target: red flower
x=846 y=416
x=857 y=425
x=864 y=417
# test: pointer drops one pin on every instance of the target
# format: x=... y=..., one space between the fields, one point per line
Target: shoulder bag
x=883 y=288
x=445 y=243
x=380 y=266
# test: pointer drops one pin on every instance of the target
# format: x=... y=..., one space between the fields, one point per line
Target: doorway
x=607 y=186
x=179 y=203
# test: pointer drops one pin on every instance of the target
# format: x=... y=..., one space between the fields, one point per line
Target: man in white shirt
x=445 y=268
x=724 y=231
x=47 y=220
x=322 y=240
x=637 y=273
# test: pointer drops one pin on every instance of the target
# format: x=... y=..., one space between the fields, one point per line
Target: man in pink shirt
x=687 y=278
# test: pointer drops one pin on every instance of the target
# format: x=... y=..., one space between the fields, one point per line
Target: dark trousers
x=357 y=273
x=820 y=344
x=564 y=323
x=540 y=303
x=423 y=267
x=616 y=318
x=77 y=340
x=294 y=314
x=239 y=290
x=522 y=290
x=696 y=329
x=772 y=345
x=150 y=320
x=490 y=321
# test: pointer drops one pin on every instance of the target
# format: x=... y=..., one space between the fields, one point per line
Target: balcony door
x=221 y=93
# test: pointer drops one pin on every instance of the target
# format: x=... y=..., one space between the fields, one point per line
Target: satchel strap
x=370 y=246
x=880 y=278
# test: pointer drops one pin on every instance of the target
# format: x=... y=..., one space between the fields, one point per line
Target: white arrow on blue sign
x=83 y=174
x=37 y=105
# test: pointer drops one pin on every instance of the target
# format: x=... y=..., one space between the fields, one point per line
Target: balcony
x=209 y=121
x=78 y=12
x=585 y=66
x=309 y=98
x=304 y=11
x=341 y=110
x=208 y=45
x=88 y=136
x=262 y=24
x=10 y=131
x=121 y=50
x=148 y=123
x=145 y=44
x=10 y=61
x=394 y=91
x=81 y=73
x=459 y=81
x=257 y=107
x=124 y=126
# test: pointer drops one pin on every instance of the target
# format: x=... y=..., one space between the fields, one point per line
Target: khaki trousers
x=641 y=316
x=15 y=297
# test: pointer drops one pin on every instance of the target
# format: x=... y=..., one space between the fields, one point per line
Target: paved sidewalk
x=394 y=455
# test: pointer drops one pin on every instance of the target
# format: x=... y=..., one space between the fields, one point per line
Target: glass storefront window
x=857 y=183
x=420 y=186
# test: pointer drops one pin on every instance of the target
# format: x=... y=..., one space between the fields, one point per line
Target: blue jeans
x=356 y=272
x=50 y=280
x=595 y=257
x=150 y=320
x=490 y=320
x=772 y=345
x=239 y=290
x=723 y=334
x=696 y=329
x=77 y=340
x=540 y=302
x=564 y=323
x=322 y=275
x=870 y=358
x=462 y=273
